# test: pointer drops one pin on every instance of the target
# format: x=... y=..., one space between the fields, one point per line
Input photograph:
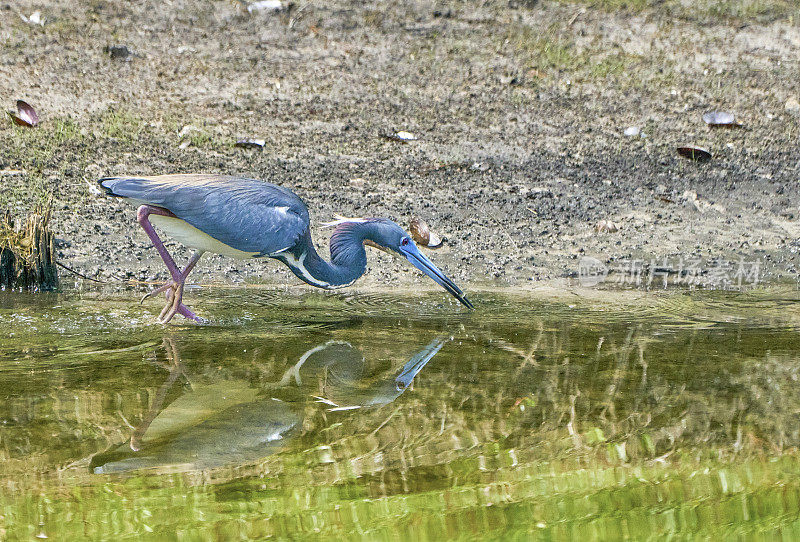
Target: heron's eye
x=404 y=242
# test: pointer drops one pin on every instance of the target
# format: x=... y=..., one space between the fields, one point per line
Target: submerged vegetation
x=533 y=419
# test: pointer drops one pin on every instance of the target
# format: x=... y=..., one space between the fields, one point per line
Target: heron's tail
x=107 y=183
x=128 y=187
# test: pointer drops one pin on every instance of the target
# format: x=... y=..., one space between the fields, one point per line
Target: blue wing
x=246 y=214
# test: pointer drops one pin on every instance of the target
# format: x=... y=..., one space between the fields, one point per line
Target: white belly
x=188 y=235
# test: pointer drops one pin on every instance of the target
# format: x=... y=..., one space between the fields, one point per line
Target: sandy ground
x=520 y=109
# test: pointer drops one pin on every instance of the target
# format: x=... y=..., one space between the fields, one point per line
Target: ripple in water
x=529 y=418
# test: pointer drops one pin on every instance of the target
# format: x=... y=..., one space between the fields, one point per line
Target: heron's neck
x=348 y=257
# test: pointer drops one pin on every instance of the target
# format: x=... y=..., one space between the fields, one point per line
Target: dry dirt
x=520 y=109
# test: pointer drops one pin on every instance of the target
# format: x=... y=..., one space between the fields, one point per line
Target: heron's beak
x=421 y=262
x=415 y=364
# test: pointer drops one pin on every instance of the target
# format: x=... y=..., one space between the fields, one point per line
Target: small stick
x=81 y=275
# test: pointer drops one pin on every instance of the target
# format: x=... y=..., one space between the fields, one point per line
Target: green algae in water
x=530 y=419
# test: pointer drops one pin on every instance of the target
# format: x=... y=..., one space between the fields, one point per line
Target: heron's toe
x=168 y=287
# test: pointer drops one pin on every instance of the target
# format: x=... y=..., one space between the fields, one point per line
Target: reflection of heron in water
x=229 y=422
x=343 y=390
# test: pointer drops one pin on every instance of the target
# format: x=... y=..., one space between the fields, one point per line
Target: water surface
x=369 y=417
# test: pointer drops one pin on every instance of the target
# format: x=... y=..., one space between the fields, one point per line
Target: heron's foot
x=171 y=285
x=174 y=295
x=171 y=308
x=174 y=304
x=184 y=311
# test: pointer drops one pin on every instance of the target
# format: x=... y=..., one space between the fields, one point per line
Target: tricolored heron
x=229 y=422
x=247 y=218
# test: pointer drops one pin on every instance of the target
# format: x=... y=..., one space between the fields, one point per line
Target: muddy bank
x=520 y=110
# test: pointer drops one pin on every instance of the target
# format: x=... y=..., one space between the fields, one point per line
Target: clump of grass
x=200 y=138
x=550 y=50
x=759 y=10
x=543 y=50
x=54 y=146
x=122 y=125
x=722 y=10
x=615 y=5
x=27 y=253
x=66 y=129
x=610 y=65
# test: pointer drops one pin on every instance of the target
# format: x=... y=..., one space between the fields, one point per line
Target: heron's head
x=387 y=235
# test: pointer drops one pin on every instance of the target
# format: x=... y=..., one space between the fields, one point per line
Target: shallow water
x=294 y=416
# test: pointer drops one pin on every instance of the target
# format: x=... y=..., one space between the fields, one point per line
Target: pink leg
x=174 y=288
x=171 y=285
x=174 y=294
x=143 y=217
x=186 y=313
x=175 y=370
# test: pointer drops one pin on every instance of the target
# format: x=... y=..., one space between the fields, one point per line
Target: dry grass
x=27 y=254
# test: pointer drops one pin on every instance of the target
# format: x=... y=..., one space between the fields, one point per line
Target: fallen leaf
x=607 y=226
x=698 y=154
x=265 y=5
x=250 y=143
x=35 y=18
x=721 y=118
x=119 y=52
x=423 y=235
x=25 y=115
x=401 y=136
